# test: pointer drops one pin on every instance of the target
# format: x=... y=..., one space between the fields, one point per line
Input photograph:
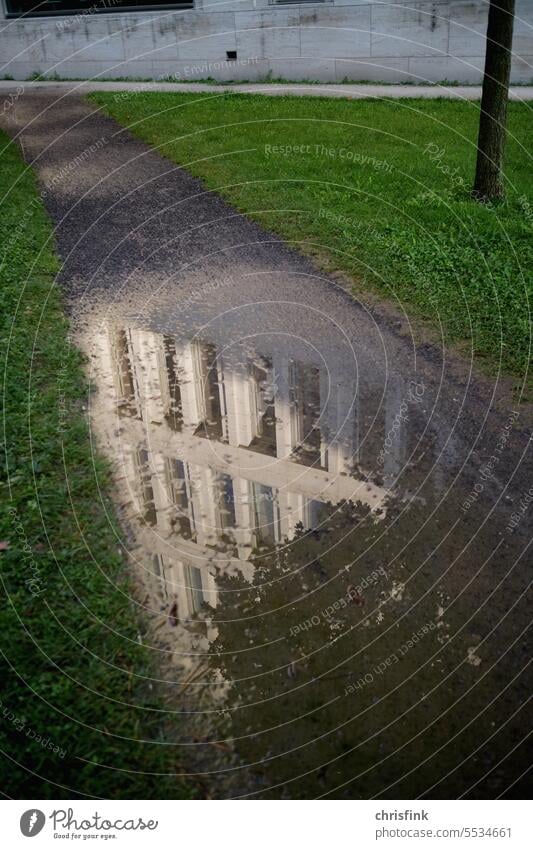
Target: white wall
x=328 y=41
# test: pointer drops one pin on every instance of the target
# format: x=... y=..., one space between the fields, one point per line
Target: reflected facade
x=222 y=456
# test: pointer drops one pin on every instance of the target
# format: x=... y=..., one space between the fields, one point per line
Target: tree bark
x=488 y=184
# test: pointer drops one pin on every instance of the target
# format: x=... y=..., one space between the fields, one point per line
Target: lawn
x=71 y=665
x=373 y=189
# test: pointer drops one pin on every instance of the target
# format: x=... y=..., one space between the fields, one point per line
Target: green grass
x=407 y=228
x=70 y=660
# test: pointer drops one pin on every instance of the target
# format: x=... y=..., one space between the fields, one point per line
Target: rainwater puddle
x=333 y=607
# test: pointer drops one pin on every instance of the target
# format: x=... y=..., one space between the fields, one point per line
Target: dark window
x=84 y=7
x=304 y=389
x=174 y=413
x=266 y=515
x=263 y=389
x=125 y=376
x=145 y=486
x=213 y=425
x=228 y=517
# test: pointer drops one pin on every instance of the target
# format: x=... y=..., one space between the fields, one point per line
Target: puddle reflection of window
x=174 y=412
x=304 y=396
x=266 y=515
x=227 y=502
x=125 y=376
x=262 y=383
x=159 y=571
x=145 y=486
x=210 y=383
x=195 y=592
x=314 y=513
x=179 y=490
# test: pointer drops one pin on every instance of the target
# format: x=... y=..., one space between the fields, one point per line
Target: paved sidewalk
x=349 y=90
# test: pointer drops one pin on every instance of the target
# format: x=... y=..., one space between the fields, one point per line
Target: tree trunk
x=488 y=183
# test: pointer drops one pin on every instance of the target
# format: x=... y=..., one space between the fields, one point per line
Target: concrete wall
x=328 y=41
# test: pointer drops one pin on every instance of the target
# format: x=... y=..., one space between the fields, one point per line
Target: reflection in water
x=302 y=602
x=176 y=400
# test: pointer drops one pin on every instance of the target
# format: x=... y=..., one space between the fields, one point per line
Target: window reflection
x=174 y=413
x=266 y=515
x=305 y=414
x=263 y=410
x=125 y=376
x=207 y=379
x=195 y=592
x=179 y=488
x=145 y=487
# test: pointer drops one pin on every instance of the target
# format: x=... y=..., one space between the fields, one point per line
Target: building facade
x=224 y=454
x=251 y=40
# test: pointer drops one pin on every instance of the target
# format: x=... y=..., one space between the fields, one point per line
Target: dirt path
x=154 y=262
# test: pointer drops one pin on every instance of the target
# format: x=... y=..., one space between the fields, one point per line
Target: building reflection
x=281 y=513
x=225 y=454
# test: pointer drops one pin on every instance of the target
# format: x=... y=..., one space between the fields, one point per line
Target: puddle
x=328 y=616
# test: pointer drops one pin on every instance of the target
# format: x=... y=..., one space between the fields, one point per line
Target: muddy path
x=329 y=520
